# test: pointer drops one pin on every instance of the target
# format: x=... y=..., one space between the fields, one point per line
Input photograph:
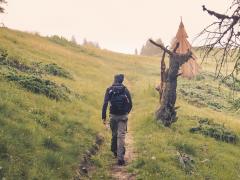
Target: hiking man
x=120 y=106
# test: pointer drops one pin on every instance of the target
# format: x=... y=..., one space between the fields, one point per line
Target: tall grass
x=41 y=138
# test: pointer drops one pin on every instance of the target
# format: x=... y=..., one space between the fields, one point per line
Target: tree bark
x=163 y=76
x=167 y=111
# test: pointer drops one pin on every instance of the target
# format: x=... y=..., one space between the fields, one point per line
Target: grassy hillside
x=51 y=94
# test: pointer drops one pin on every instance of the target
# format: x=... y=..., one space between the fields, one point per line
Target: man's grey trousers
x=118 y=124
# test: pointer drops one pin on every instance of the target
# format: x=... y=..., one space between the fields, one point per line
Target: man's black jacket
x=107 y=99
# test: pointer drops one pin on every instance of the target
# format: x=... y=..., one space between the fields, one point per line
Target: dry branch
x=167 y=111
x=221 y=38
x=161 y=46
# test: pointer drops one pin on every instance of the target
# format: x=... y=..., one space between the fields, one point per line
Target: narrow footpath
x=120 y=172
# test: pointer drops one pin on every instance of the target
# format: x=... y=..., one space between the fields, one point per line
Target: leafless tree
x=222 y=39
x=167 y=110
x=136 y=51
x=73 y=40
x=1 y=8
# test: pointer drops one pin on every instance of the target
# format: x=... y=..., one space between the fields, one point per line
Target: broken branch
x=161 y=46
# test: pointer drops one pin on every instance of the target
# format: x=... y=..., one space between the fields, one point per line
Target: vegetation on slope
x=41 y=138
x=169 y=153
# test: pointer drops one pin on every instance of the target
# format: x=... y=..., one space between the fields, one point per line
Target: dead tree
x=1 y=8
x=160 y=87
x=222 y=39
x=167 y=111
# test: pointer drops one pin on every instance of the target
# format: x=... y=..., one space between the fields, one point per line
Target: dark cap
x=119 y=78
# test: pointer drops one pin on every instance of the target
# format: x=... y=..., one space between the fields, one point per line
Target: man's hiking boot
x=115 y=153
x=121 y=162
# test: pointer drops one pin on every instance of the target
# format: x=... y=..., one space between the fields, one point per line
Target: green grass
x=41 y=138
x=158 y=146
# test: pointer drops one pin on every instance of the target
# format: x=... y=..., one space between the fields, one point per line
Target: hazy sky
x=118 y=25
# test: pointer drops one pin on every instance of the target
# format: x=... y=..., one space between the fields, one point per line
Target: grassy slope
x=21 y=137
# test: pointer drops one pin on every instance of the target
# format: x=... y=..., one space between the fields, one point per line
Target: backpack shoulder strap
x=110 y=90
x=125 y=91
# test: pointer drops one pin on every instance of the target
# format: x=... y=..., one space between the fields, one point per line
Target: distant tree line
x=90 y=43
x=148 y=49
x=64 y=41
x=136 y=51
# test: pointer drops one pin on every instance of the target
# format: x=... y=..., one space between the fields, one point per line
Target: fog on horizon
x=119 y=26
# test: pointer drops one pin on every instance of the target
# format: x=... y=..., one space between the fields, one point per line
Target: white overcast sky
x=118 y=25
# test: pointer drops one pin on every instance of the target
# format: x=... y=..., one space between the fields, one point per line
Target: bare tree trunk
x=163 y=76
x=167 y=111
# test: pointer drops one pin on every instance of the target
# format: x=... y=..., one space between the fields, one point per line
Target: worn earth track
x=120 y=172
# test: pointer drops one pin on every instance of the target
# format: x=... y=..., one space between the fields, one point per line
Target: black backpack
x=118 y=99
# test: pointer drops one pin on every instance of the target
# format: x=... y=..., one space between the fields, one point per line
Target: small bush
x=3 y=55
x=232 y=83
x=236 y=104
x=186 y=162
x=42 y=122
x=52 y=161
x=54 y=69
x=185 y=148
x=50 y=144
x=216 y=131
x=70 y=129
x=3 y=151
x=199 y=77
x=215 y=105
x=13 y=62
x=139 y=163
x=54 y=117
x=36 y=111
x=51 y=69
x=40 y=86
x=36 y=68
x=204 y=95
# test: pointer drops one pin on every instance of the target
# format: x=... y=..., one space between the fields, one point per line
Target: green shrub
x=70 y=129
x=217 y=131
x=139 y=163
x=3 y=55
x=52 y=161
x=199 y=77
x=204 y=95
x=13 y=62
x=215 y=105
x=231 y=82
x=236 y=104
x=42 y=122
x=54 y=69
x=36 y=68
x=185 y=148
x=50 y=144
x=3 y=151
x=40 y=86
x=186 y=162
x=54 y=116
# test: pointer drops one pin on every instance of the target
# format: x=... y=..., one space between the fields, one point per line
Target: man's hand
x=104 y=121
x=106 y=124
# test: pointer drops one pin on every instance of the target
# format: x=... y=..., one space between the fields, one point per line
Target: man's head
x=119 y=78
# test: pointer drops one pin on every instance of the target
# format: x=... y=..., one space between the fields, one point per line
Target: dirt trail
x=120 y=172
